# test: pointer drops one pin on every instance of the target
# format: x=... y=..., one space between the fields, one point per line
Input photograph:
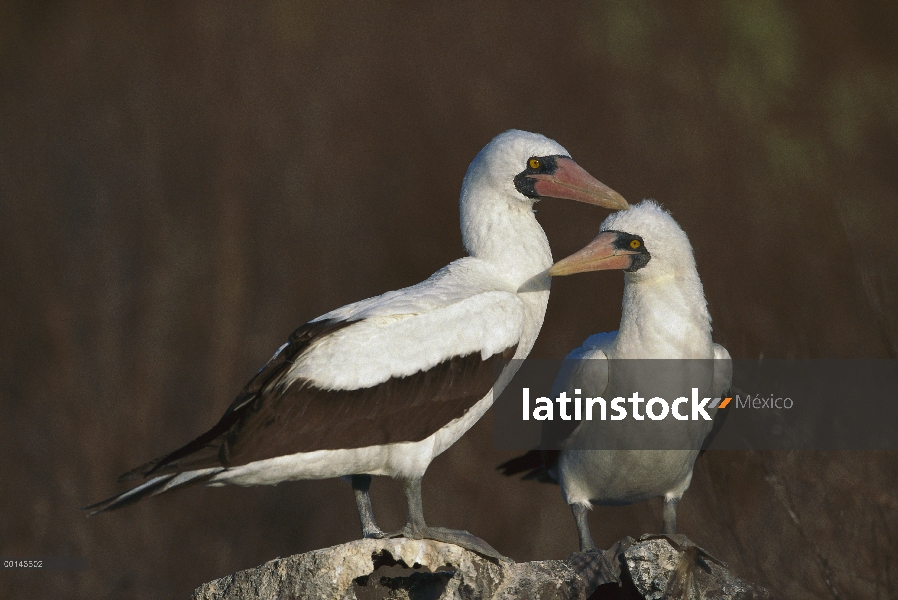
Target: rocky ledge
x=653 y=568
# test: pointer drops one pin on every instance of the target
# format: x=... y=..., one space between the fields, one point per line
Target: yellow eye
x=533 y=163
x=634 y=244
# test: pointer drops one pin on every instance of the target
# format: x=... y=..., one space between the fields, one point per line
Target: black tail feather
x=538 y=464
x=153 y=487
x=131 y=496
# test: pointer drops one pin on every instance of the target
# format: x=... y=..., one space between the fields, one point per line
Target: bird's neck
x=504 y=232
x=665 y=317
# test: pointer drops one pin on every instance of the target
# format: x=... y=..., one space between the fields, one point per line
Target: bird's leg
x=414 y=519
x=580 y=513
x=416 y=529
x=670 y=516
x=360 y=487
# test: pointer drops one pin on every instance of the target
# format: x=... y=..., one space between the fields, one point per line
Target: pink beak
x=571 y=182
x=599 y=255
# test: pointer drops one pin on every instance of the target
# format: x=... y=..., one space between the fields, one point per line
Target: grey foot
x=681 y=543
x=680 y=582
x=459 y=537
x=375 y=534
x=594 y=568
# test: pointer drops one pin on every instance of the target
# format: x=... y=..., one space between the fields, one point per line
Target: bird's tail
x=538 y=464
x=153 y=487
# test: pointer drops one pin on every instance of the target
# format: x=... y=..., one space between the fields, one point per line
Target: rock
x=651 y=565
x=429 y=570
x=401 y=568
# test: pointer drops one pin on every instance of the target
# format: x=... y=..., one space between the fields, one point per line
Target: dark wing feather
x=207 y=445
x=720 y=418
x=404 y=409
x=269 y=419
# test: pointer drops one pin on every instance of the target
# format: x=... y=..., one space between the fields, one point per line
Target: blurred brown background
x=182 y=184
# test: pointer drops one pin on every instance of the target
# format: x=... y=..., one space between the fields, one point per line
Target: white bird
x=664 y=316
x=384 y=385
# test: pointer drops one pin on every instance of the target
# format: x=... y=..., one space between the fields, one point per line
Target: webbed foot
x=691 y=555
x=459 y=537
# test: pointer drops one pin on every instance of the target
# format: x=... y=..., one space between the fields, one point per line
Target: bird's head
x=644 y=241
x=526 y=167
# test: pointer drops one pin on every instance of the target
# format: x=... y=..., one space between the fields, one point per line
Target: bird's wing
x=720 y=386
x=583 y=373
x=586 y=367
x=369 y=376
x=723 y=371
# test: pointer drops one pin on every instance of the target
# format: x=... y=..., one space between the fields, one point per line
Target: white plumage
x=664 y=316
x=402 y=333
x=384 y=385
